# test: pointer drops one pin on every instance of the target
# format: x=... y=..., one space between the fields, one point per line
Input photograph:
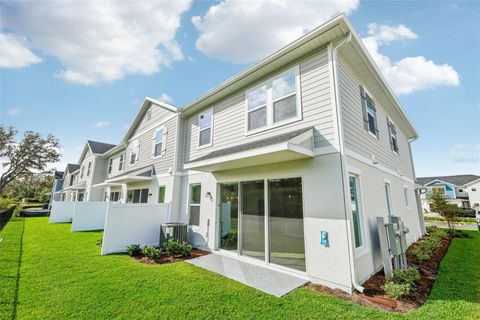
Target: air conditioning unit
x=173 y=230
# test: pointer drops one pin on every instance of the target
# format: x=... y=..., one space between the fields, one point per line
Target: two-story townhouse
x=69 y=179
x=90 y=170
x=143 y=167
x=57 y=186
x=289 y=163
x=460 y=190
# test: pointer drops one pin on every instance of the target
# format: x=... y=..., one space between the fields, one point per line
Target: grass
x=63 y=276
x=458 y=220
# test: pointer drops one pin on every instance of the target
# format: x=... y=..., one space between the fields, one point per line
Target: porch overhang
x=78 y=186
x=144 y=174
x=291 y=146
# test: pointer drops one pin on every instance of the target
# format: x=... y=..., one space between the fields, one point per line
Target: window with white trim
x=407 y=199
x=115 y=196
x=205 y=128
x=392 y=133
x=81 y=172
x=369 y=112
x=137 y=196
x=194 y=204
x=158 y=143
x=89 y=169
x=357 y=213
x=110 y=163
x=134 y=148
x=273 y=102
x=121 y=161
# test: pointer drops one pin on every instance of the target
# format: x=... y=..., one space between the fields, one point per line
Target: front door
x=229 y=216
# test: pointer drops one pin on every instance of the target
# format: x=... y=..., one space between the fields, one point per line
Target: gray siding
x=357 y=138
x=144 y=133
x=229 y=118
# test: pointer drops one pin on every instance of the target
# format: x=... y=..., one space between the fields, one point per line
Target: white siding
x=356 y=138
x=229 y=117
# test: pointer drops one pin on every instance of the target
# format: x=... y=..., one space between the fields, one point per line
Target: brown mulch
x=374 y=295
x=195 y=253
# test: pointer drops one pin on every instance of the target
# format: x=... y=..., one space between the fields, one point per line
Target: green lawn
x=63 y=276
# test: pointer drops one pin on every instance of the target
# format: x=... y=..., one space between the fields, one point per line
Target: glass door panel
x=229 y=216
x=253 y=219
x=287 y=246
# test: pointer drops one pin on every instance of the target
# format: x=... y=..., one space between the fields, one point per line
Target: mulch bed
x=374 y=295
x=195 y=253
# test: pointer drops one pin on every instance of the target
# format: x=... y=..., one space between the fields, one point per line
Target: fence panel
x=89 y=215
x=127 y=224
x=62 y=211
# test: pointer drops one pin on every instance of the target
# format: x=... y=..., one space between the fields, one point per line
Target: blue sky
x=48 y=84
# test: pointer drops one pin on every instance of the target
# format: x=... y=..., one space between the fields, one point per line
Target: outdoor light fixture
x=208 y=195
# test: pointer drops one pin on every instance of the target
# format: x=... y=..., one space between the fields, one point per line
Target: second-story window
x=134 y=147
x=81 y=172
x=369 y=112
x=158 y=143
x=89 y=169
x=392 y=132
x=110 y=165
x=274 y=102
x=205 y=127
x=121 y=161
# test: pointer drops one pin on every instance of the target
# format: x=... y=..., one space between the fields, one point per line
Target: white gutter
x=332 y=51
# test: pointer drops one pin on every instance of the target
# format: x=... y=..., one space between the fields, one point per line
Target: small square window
x=205 y=128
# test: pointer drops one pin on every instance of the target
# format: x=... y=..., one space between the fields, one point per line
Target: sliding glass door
x=285 y=220
x=265 y=228
x=253 y=219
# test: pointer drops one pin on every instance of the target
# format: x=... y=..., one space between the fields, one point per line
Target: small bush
x=5 y=204
x=406 y=276
x=397 y=291
x=420 y=253
x=134 y=250
x=175 y=248
x=151 y=252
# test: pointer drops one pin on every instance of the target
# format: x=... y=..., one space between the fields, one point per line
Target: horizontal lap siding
x=230 y=118
x=160 y=117
x=357 y=138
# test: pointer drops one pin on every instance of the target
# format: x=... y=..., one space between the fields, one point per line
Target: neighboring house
x=310 y=141
x=55 y=194
x=143 y=168
x=80 y=178
x=459 y=189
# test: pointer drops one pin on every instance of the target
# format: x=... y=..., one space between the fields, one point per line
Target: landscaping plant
x=175 y=248
x=151 y=252
x=448 y=211
x=134 y=250
x=397 y=291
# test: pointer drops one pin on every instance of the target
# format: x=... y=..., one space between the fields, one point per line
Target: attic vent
x=149 y=114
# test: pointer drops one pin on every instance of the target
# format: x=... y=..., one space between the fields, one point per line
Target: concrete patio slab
x=261 y=278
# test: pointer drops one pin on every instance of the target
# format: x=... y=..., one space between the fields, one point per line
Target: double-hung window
x=274 y=102
x=205 y=128
x=195 y=195
x=369 y=112
x=121 y=161
x=134 y=147
x=158 y=142
x=110 y=163
x=81 y=172
x=89 y=169
x=392 y=132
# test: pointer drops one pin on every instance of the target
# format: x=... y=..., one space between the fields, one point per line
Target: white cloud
x=245 y=31
x=15 y=53
x=411 y=73
x=165 y=98
x=102 y=124
x=14 y=111
x=101 y=41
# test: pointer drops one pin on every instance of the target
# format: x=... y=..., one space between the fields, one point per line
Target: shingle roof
x=73 y=167
x=99 y=147
x=459 y=180
x=253 y=145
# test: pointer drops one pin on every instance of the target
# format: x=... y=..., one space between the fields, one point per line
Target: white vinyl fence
x=89 y=215
x=62 y=211
x=137 y=223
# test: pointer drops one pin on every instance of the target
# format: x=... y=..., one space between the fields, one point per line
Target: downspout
x=333 y=47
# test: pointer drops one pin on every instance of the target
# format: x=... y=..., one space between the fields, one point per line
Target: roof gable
x=457 y=180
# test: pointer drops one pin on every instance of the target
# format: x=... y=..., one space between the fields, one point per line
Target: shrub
x=406 y=276
x=134 y=250
x=151 y=252
x=174 y=248
x=397 y=291
x=420 y=252
x=5 y=204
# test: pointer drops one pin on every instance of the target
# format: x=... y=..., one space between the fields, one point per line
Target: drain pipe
x=332 y=48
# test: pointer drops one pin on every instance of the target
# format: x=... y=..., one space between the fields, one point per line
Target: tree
x=31 y=155
x=448 y=211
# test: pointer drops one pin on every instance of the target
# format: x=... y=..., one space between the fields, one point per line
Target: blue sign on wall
x=324 y=238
